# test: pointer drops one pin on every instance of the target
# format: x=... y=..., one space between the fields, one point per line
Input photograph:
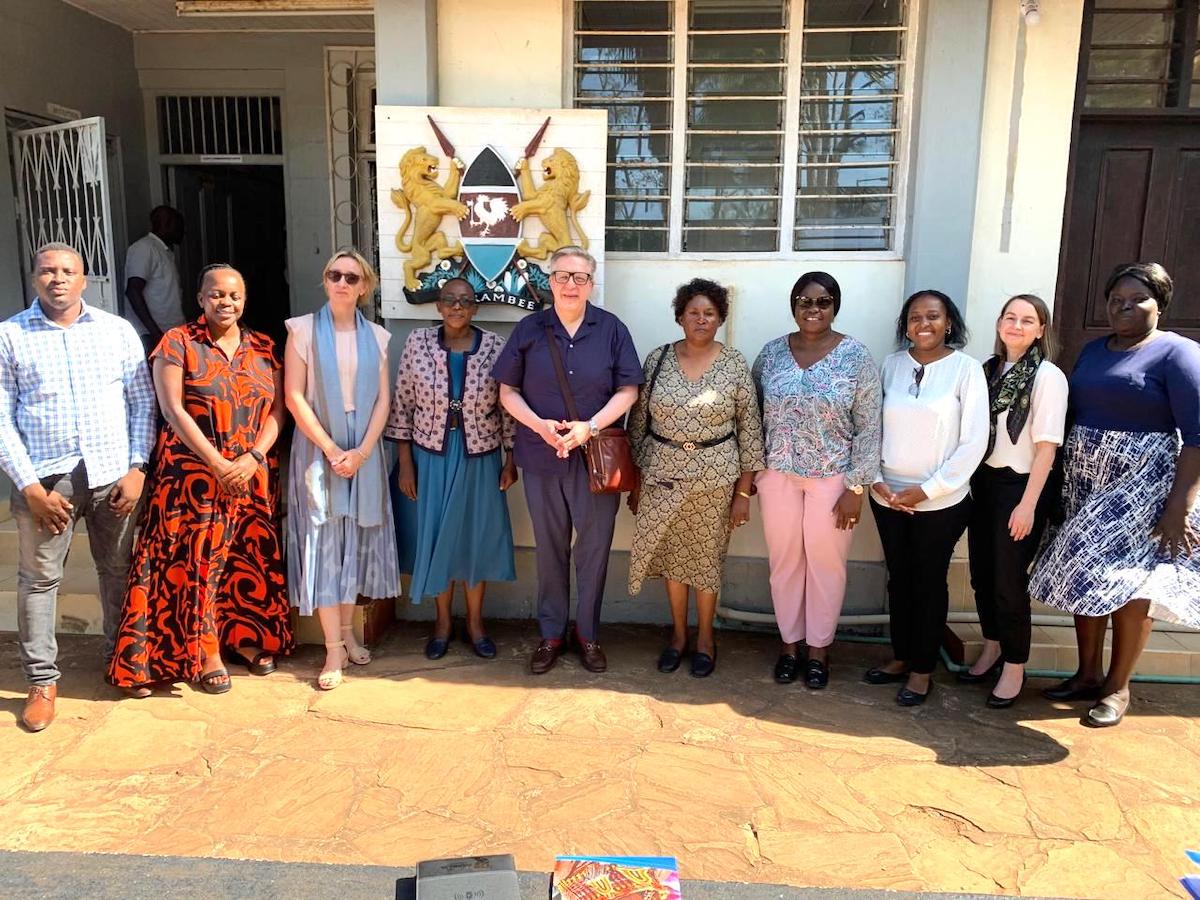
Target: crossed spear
x=448 y=148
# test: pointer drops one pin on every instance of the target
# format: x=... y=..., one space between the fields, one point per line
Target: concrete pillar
x=406 y=52
x=945 y=171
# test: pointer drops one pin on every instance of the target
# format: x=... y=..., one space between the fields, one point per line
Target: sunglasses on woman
x=333 y=276
x=819 y=302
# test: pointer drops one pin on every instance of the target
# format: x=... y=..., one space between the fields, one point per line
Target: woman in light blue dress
x=449 y=482
x=340 y=535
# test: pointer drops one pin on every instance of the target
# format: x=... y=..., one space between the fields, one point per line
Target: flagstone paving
x=740 y=778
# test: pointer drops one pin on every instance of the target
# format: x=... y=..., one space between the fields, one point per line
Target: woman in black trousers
x=1028 y=406
x=935 y=428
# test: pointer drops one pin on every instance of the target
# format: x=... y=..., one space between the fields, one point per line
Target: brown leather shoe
x=545 y=656
x=39 y=706
x=592 y=656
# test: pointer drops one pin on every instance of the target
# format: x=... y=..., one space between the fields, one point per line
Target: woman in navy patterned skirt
x=1129 y=547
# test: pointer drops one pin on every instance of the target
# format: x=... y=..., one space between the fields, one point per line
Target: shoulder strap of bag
x=560 y=371
x=654 y=380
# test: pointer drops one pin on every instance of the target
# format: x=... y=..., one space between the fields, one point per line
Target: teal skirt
x=458 y=527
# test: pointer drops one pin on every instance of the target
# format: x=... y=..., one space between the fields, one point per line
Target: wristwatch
x=593 y=427
x=855 y=489
x=141 y=467
x=257 y=454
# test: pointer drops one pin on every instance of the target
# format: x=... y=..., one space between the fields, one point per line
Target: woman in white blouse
x=935 y=433
x=1027 y=401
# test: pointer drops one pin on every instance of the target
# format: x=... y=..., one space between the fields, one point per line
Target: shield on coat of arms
x=489 y=232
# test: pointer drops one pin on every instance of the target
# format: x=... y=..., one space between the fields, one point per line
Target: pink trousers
x=807 y=553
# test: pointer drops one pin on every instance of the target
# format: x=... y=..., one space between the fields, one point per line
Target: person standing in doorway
x=77 y=416
x=603 y=373
x=152 y=278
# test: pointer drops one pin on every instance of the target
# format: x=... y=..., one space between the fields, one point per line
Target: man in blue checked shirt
x=77 y=418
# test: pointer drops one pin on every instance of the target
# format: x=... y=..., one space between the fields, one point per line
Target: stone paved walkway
x=740 y=778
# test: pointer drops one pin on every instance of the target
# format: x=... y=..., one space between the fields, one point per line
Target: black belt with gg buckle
x=690 y=446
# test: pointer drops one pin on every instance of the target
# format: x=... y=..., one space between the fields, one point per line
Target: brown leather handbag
x=611 y=469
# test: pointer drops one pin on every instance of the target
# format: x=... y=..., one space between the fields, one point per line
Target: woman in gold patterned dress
x=697 y=435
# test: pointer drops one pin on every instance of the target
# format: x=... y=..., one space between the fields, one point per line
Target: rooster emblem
x=487 y=211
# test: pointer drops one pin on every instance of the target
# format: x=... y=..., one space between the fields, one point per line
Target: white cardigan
x=937 y=439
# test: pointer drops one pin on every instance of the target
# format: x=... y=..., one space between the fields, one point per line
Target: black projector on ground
x=468 y=878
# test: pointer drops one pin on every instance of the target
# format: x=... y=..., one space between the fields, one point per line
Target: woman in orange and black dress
x=207 y=578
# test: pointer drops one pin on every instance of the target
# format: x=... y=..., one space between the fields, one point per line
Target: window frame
x=791 y=141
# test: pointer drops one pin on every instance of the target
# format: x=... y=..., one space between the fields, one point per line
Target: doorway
x=1134 y=182
x=235 y=214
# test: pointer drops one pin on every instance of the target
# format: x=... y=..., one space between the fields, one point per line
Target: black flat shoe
x=485 y=647
x=669 y=660
x=994 y=702
x=905 y=697
x=879 y=676
x=436 y=647
x=703 y=664
x=255 y=666
x=966 y=676
x=816 y=674
x=1070 y=690
x=786 y=668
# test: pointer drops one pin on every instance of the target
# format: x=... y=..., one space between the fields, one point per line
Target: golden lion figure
x=420 y=191
x=556 y=203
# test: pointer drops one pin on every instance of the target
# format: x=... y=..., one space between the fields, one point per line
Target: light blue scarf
x=360 y=497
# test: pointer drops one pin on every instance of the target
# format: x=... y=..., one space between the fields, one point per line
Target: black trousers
x=917 y=548
x=1000 y=565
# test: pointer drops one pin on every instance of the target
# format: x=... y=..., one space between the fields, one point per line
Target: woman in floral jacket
x=448 y=485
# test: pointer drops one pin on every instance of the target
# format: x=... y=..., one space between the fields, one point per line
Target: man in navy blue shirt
x=603 y=373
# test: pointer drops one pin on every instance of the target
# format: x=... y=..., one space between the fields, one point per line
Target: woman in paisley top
x=821 y=408
x=697 y=436
x=207 y=575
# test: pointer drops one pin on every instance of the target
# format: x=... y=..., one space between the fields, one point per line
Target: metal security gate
x=63 y=195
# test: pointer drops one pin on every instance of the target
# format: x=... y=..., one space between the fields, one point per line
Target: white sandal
x=331 y=678
x=355 y=652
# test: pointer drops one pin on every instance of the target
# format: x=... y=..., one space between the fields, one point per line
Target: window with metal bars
x=1143 y=54
x=747 y=125
x=219 y=126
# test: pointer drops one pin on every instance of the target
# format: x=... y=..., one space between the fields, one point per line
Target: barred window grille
x=219 y=126
x=1143 y=54
x=747 y=125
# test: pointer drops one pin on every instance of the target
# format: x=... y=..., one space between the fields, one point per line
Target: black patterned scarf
x=1011 y=390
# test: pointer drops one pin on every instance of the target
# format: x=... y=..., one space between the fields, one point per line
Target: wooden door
x=1135 y=197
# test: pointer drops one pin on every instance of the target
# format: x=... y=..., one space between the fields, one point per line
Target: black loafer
x=669 y=660
x=816 y=674
x=905 y=697
x=879 y=676
x=436 y=647
x=1070 y=690
x=485 y=647
x=786 y=668
x=703 y=665
x=966 y=676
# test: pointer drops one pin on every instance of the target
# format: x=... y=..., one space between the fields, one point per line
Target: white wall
x=1027 y=117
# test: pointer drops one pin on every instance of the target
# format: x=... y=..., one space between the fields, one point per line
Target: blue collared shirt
x=79 y=393
x=599 y=359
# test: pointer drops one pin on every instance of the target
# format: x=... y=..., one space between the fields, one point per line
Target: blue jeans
x=40 y=569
